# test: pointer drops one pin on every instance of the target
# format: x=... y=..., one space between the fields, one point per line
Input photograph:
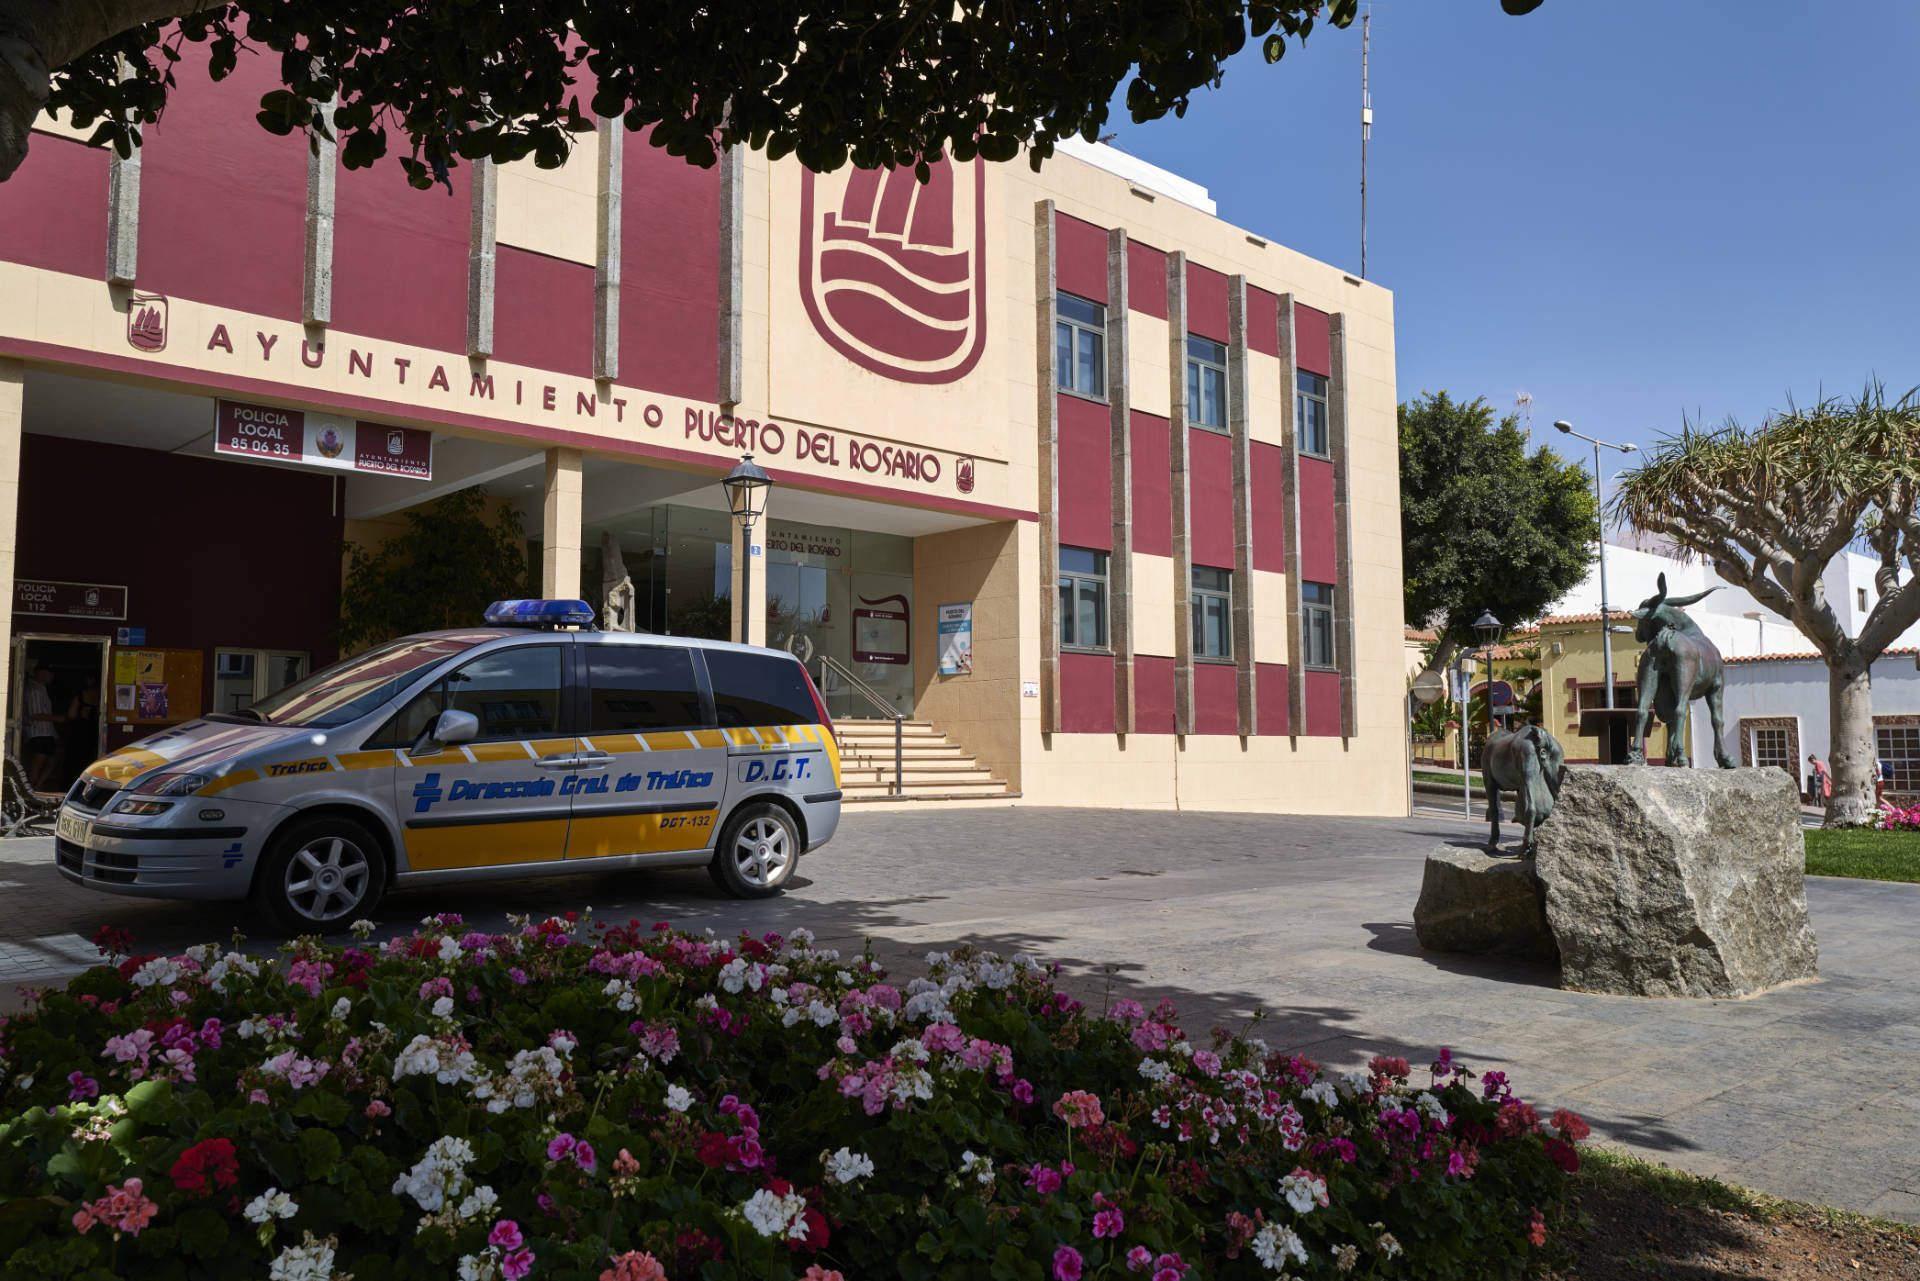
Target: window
x=1317 y=605
x=1080 y=335
x=1310 y=412
x=1206 y=383
x=1860 y=594
x=1897 y=749
x=637 y=688
x=1770 y=747
x=513 y=693
x=759 y=689
x=356 y=686
x=1083 y=598
x=1212 y=613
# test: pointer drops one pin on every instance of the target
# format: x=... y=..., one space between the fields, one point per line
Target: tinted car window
x=759 y=689
x=513 y=693
x=640 y=688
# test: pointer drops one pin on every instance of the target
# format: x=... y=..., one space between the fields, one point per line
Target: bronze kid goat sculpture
x=1678 y=665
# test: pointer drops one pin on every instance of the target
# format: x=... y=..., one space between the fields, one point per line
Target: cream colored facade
x=960 y=465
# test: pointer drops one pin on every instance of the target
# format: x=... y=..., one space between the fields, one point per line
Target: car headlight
x=137 y=805
x=170 y=784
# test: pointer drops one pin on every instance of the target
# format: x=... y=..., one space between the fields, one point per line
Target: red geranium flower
x=205 y=1167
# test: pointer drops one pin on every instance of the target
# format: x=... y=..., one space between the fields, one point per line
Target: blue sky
x=1628 y=211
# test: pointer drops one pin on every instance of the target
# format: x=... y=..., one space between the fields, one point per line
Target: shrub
x=1895 y=819
x=571 y=1101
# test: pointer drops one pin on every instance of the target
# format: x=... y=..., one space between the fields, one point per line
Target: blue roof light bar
x=539 y=613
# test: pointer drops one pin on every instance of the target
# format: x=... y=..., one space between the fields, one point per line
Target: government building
x=1096 y=490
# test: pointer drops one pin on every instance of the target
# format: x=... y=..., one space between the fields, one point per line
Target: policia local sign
x=272 y=434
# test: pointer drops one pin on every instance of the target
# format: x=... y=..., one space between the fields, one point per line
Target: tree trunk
x=1851 y=753
x=38 y=37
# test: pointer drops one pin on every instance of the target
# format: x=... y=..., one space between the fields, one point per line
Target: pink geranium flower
x=1067 y=1264
x=1079 y=1108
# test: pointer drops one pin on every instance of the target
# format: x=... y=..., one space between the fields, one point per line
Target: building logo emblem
x=963 y=475
x=147 y=322
x=893 y=271
x=396 y=442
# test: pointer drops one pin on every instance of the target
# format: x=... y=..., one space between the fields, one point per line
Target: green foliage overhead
x=449 y=565
x=875 y=84
x=1485 y=525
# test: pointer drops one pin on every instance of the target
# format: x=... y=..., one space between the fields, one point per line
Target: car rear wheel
x=758 y=851
x=320 y=875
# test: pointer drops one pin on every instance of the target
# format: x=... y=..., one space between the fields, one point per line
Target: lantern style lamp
x=746 y=487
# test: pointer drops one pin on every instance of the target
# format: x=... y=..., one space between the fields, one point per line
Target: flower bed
x=572 y=1101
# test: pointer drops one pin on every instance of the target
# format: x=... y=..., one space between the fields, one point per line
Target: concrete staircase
x=934 y=769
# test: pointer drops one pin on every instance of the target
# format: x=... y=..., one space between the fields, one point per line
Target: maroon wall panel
x=669 y=273
x=1270 y=697
x=1086 y=693
x=400 y=256
x=1323 y=705
x=1216 y=698
x=1312 y=346
x=1086 y=470
x=1152 y=694
x=1317 y=560
x=543 y=312
x=1206 y=302
x=53 y=211
x=1082 y=264
x=223 y=203
x=1210 y=497
x=1263 y=321
x=1152 y=485
x=1146 y=279
x=1268 y=466
x=291 y=593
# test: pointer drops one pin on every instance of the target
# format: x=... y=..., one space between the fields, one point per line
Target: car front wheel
x=758 y=851
x=320 y=875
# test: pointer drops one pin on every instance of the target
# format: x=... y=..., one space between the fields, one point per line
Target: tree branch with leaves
x=1772 y=507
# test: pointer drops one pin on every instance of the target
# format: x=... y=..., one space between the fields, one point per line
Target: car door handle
x=593 y=759
x=560 y=760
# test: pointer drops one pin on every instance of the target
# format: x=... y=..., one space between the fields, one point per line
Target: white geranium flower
x=442 y=1007
x=1155 y=1070
x=340 y=1008
x=310 y=1261
x=679 y=1098
x=1273 y=1245
x=846 y=1165
x=1304 y=1192
x=733 y=975
x=271 y=1204
x=161 y=970
x=449 y=949
x=1322 y=1092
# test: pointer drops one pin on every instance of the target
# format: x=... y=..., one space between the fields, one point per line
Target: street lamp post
x=746 y=488
x=1606 y=624
x=1487 y=628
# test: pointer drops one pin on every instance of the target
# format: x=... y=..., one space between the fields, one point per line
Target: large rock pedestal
x=1471 y=902
x=1677 y=882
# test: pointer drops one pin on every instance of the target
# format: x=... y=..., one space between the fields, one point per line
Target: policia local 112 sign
x=272 y=434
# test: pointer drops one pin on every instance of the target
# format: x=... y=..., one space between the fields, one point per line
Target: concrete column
x=560 y=527
x=1343 y=594
x=480 y=258
x=123 y=217
x=316 y=292
x=1240 y=443
x=1046 y=376
x=606 y=266
x=753 y=629
x=1180 y=440
x=12 y=408
x=1290 y=515
x=1120 y=430
x=733 y=242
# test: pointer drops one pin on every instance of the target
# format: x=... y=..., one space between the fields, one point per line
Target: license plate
x=74 y=828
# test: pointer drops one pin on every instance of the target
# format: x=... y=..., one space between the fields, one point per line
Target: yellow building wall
x=1579 y=660
x=978 y=709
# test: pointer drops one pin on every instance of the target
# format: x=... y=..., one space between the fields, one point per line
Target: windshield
x=354 y=687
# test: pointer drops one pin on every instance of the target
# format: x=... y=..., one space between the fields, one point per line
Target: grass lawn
x=1863 y=853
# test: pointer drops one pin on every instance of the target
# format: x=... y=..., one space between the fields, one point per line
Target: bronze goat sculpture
x=1678 y=665
x=1530 y=763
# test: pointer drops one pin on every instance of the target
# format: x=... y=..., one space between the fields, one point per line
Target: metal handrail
x=866 y=691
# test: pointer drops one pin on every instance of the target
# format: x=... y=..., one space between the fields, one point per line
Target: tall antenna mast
x=1524 y=403
x=1366 y=131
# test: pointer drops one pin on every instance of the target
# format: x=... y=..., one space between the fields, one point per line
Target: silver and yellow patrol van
x=532 y=746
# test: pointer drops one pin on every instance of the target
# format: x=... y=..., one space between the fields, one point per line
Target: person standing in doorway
x=1822 y=789
x=79 y=735
x=43 y=728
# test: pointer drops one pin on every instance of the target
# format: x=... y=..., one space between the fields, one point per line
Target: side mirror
x=448 y=728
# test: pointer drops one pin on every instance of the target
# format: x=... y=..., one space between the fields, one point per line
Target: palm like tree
x=1770 y=508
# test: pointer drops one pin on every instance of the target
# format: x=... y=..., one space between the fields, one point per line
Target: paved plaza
x=1810 y=1092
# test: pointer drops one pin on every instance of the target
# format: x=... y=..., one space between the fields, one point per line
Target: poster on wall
x=273 y=434
x=956 y=639
x=152 y=702
x=123 y=698
x=880 y=631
